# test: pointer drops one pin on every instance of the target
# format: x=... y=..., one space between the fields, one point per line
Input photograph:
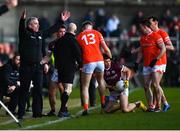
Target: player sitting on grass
x=117 y=80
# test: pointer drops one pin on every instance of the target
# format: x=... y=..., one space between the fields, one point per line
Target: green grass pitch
x=121 y=121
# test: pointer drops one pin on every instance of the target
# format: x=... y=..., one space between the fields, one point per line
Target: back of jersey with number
x=90 y=41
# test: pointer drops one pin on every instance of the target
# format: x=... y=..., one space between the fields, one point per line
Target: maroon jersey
x=113 y=74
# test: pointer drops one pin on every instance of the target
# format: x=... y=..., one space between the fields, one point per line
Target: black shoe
x=50 y=113
x=63 y=114
x=150 y=110
x=85 y=113
x=37 y=116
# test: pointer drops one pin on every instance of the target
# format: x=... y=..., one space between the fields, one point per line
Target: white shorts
x=114 y=96
x=157 y=68
x=54 y=76
x=93 y=66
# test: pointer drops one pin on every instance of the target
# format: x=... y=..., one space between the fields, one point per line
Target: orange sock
x=85 y=106
x=102 y=100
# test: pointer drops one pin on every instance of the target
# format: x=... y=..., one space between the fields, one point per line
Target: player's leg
x=64 y=99
x=52 y=97
x=101 y=87
x=85 y=80
x=166 y=106
x=125 y=105
x=86 y=75
x=99 y=72
x=112 y=106
x=148 y=91
x=60 y=87
x=158 y=89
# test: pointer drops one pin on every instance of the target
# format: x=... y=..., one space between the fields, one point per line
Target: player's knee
x=125 y=110
x=68 y=90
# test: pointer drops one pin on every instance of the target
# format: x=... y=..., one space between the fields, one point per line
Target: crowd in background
x=127 y=37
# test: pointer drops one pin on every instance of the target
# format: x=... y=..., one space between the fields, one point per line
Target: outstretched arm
x=63 y=17
x=106 y=48
x=22 y=28
x=8 y=5
x=169 y=46
x=11 y=3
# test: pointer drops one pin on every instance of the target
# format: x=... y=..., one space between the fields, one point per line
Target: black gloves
x=153 y=62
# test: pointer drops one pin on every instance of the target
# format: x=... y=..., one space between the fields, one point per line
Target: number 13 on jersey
x=89 y=38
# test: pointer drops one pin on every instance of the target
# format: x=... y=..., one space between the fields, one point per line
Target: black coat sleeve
x=22 y=28
x=3 y=9
x=46 y=33
x=22 y=31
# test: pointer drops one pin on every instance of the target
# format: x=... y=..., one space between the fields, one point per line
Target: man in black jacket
x=31 y=52
x=67 y=56
x=8 y=5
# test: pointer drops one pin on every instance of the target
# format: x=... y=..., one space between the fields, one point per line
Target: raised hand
x=11 y=3
x=65 y=15
x=23 y=16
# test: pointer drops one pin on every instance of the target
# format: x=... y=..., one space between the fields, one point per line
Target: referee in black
x=31 y=52
x=68 y=57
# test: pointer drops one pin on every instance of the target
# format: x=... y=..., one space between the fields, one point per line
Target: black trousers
x=30 y=72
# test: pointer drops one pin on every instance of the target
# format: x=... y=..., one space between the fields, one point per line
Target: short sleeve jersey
x=113 y=74
x=166 y=39
x=90 y=41
x=149 y=45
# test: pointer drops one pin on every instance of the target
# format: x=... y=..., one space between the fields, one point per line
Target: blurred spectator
x=13 y=91
x=138 y=17
x=112 y=23
x=174 y=26
x=89 y=16
x=167 y=18
x=43 y=21
x=124 y=35
x=103 y=30
x=100 y=18
x=133 y=31
x=117 y=32
x=172 y=75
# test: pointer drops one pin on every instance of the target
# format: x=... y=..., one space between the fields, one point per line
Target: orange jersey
x=90 y=41
x=149 y=45
x=166 y=39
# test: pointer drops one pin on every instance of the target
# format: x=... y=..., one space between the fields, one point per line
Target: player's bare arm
x=169 y=46
x=126 y=73
x=162 y=50
x=106 y=48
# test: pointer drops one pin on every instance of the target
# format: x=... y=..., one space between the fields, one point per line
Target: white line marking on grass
x=58 y=120
x=12 y=121
x=64 y=118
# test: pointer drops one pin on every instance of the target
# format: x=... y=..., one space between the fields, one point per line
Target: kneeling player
x=116 y=78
